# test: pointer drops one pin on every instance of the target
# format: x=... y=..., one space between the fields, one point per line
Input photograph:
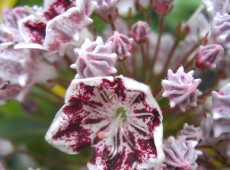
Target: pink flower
x=117 y=116
x=95 y=59
x=181 y=153
x=181 y=88
x=122 y=45
x=208 y=56
x=221 y=110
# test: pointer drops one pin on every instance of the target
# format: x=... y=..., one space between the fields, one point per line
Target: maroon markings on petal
x=151 y=121
x=57 y=8
x=74 y=131
x=36 y=30
x=63 y=28
x=93 y=120
x=117 y=86
x=59 y=38
x=139 y=98
x=145 y=149
x=123 y=160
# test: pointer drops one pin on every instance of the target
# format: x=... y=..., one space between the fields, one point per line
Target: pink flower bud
x=181 y=88
x=140 y=31
x=208 y=56
x=122 y=45
x=181 y=153
x=163 y=7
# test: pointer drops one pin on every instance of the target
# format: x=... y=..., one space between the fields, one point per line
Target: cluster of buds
x=115 y=100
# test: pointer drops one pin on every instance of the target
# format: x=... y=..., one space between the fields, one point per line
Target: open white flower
x=117 y=116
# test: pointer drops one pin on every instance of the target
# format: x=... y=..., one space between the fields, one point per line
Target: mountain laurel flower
x=191 y=132
x=59 y=24
x=117 y=116
x=209 y=56
x=122 y=45
x=95 y=59
x=221 y=110
x=181 y=153
x=140 y=31
x=221 y=29
x=181 y=88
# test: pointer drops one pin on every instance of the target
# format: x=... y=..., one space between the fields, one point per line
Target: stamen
x=139 y=127
x=32 y=12
x=124 y=134
x=134 y=166
x=114 y=151
x=133 y=99
x=104 y=96
x=139 y=114
x=116 y=126
x=113 y=97
x=104 y=112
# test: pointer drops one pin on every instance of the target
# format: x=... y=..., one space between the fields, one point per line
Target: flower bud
x=122 y=45
x=140 y=31
x=163 y=7
x=208 y=56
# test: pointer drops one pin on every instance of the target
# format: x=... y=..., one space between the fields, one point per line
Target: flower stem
x=169 y=58
x=144 y=61
x=160 y=31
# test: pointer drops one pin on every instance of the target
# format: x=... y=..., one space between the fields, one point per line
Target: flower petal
x=65 y=27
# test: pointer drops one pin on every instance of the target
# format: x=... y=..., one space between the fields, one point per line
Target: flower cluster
x=119 y=82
